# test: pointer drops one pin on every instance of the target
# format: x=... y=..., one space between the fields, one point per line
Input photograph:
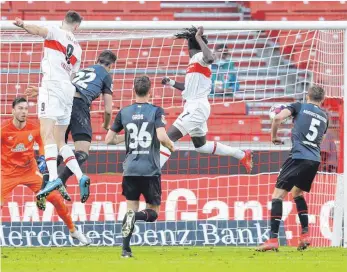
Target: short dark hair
x=142 y=85
x=73 y=17
x=316 y=93
x=18 y=100
x=107 y=57
x=189 y=35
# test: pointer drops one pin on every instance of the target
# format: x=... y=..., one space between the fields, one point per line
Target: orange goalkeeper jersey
x=17 y=148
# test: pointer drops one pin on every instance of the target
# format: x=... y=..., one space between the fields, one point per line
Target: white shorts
x=55 y=101
x=193 y=119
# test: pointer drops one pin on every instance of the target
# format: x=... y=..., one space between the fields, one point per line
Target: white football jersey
x=198 y=78
x=62 y=55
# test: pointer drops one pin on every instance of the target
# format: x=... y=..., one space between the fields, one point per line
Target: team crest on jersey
x=19 y=148
x=163 y=119
x=30 y=137
x=10 y=138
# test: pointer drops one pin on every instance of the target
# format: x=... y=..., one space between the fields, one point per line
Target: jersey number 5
x=313 y=128
x=142 y=137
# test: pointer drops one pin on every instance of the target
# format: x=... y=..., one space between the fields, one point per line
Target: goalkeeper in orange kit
x=19 y=167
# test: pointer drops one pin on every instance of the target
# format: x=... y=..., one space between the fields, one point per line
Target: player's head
x=106 y=59
x=20 y=109
x=315 y=94
x=72 y=20
x=142 y=86
x=189 y=35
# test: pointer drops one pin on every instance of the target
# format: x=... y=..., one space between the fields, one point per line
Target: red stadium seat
x=97 y=16
x=5 y=6
x=9 y=15
x=308 y=16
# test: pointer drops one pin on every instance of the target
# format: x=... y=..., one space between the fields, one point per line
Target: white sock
x=164 y=155
x=70 y=161
x=221 y=150
x=51 y=154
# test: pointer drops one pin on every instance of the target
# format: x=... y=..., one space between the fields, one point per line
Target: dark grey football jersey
x=92 y=81
x=140 y=122
x=310 y=124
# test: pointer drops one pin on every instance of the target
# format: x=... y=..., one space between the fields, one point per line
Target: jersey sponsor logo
x=198 y=68
x=19 y=148
x=55 y=45
x=30 y=137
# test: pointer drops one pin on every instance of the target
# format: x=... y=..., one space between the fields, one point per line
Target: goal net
x=207 y=200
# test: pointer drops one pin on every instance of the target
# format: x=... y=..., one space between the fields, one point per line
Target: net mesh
x=207 y=198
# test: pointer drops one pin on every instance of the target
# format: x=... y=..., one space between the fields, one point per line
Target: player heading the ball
x=61 y=60
x=195 y=90
x=299 y=170
x=144 y=126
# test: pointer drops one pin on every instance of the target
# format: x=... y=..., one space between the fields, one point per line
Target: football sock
x=147 y=215
x=217 y=148
x=301 y=207
x=51 y=153
x=276 y=217
x=70 y=161
x=164 y=155
x=126 y=240
x=59 y=160
x=63 y=212
x=81 y=157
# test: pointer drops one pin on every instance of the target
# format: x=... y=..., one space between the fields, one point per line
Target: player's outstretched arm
x=276 y=122
x=164 y=139
x=208 y=55
x=32 y=29
x=166 y=81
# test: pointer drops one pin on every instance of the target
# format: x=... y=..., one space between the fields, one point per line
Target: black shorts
x=80 y=124
x=149 y=187
x=299 y=173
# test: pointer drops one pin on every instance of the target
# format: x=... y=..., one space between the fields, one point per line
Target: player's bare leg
x=150 y=214
x=51 y=152
x=301 y=207
x=276 y=217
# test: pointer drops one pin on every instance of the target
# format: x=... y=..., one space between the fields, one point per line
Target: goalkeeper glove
x=41 y=164
x=168 y=81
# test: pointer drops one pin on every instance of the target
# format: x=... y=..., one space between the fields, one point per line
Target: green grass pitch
x=166 y=259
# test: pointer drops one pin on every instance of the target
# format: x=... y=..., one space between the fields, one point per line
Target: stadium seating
x=250 y=118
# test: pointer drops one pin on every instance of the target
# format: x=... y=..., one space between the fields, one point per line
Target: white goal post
x=107 y=26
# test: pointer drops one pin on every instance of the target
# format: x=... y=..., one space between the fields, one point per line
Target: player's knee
x=81 y=157
x=152 y=215
x=206 y=148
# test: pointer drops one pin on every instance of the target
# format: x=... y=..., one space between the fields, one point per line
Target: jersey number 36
x=140 y=138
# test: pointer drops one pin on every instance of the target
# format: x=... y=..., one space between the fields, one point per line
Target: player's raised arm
x=32 y=29
x=170 y=82
x=208 y=55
